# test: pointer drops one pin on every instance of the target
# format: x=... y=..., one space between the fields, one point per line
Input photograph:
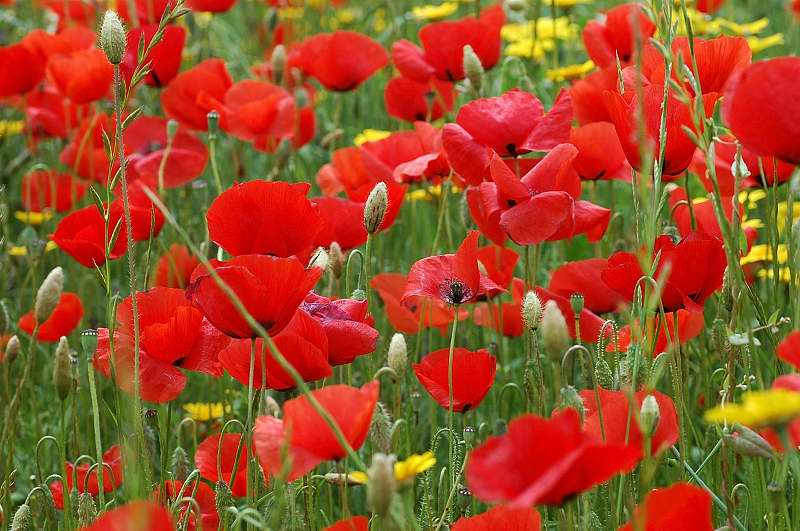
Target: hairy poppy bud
x=649 y=415
x=172 y=129
x=63 y=379
x=381 y=485
x=531 y=310
x=397 y=358
x=571 y=398
x=5 y=318
x=603 y=373
x=22 y=519
x=555 y=333
x=87 y=511
x=213 y=124
x=49 y=294
x=179 y=463
x=473 y=68
x=517 y=5
x=748 y=443
x=278 y=64
x=359 y=295
x=726 y=294
x=577 y=303
x=269 y=406
x=12 y=349
x=223 y=500
x=319 y=259
x=336 y=259
x=380 y=430
x=375 y=208
x=112 y=37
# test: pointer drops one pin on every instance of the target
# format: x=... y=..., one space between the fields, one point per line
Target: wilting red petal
x=205 y=458
x=473 y=376
x=65 y=317
x=501 y=517
x=680 y=505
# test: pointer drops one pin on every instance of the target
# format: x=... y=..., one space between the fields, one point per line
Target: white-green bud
x=112 y=37
x=63 y=379
x=319 y=259
x=12 y=349
x=375 y=208
x=555 y=332
x=336 y=259
x=649 y=415
x=48 y=295
x=473 y=68
x=397 y=358
x=278 y=63
x=381 y=484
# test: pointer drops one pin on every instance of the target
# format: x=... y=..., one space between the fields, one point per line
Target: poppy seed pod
x=577 y=303
x=213 y=124
x=375 y=208
x=555 y=334
x=48 y=295
x=649 y=415
x=12 y=349
x=397 y=358
x=473 y=68
x=381 y=485
x=62 y=370
x=87 y=511
x=532 y=310
x=112 y=37
x=22 y=519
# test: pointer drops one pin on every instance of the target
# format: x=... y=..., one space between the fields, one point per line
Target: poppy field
x=349 y=265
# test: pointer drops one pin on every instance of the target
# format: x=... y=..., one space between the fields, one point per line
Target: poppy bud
x=473 y=68
x=5 y=319
x=380 y=431
x=469 y=435
x=517 y=5
x=112 y=37
x=375 y=208
x=555 y=334
x=531 y=310
x=223 y=499
x=179 y=463
x=336 y=258
x=649 y=415
x=48 y=295
x=358 y=295
x=172 y=129
x=213 y=124
x=87 y=511
x=12 y=349
x=739 y=167
x=571 y=398
x=398 y=354
x=577 y=303
x=381 y=485
x=726 y=294
x=278 y=63
x=319 y=259
x=22 y=519
x=748 y=443
x=603 y=373
x=269 y=406
x=63 y=379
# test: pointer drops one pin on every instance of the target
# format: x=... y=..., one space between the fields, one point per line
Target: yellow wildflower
x=434 y=12
x=570 y=72
x=758 y=409
x=11 y=127
x=290 y=13
x=379 y=24
x=546 y=28
x=430 y=193
x=569 y=3
x=202 y=412
x=747 y=28
x=784 y=274
x=528 y=49
x=763 y=253
x=345 y=16
x=21 y=250
x=404 y=471
x=33 y=218
x=370 y=135
x=758 y=44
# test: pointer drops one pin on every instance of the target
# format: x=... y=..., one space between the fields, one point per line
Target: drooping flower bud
x=555 y=333
x=381 y=485
x=179 y=463
x=49 y=294
x=112 y=37
x=571 y=398
x=63 y=379
x=213 y=124
x=748 y=443
x=270 y=406
x=473 y=68
x=336 y=259
x=531 y=310
x=739 y=168
x=319 y=259
x=603 y=373
x=22 y=519
x=397 y=358
x=375 y=208
x=278 y=64
x=12 y=349
x=380 y=430
x=87 y=511
x=649 y=415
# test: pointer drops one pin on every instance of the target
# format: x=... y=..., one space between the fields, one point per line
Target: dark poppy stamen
x=455 y=291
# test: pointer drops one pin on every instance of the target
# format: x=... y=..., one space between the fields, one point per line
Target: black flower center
x=454 y=291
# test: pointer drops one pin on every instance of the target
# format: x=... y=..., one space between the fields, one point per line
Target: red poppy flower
x=147 y=220
x=544 y=461
x=342 y=222
x=590 y=324
x=501 y=517
x=192 y=94
x=173 y=336
x=73 y=11
x=20 y=70
x=764 y=170
x=263 y=217
x=697 y=264
x=547 y=193
x=789 y=349
x=412 y=314
x=146 y=146
x=616 y=35
x=205 y=458
x=341 y=60
x=81 y=235
x=147 y=11
x=65 y=41
x=587 y=95
x=690 y=325
x=788 y=382
x=210 y=6
x=704 y=214
x=619 y=424
x=270 y=288
x=347 y=325
x=356 y=523
x=174 y=268
x=82 y=76
x=489 y=124
x=410 y=100
x=164 y=58
x=48 y=114
x=499 y=263
x=503 y=316
x=709 y=6
x=679 y=150
x=443 y=44
x=49 y=190
x=755 y=108
x=304 y=435
x=79 y=477
x=600 y=155
x=303 y=343
x=202 y=494
x=133 y=516
x=452 y=278
x=85 y=153
x=473 y=376
x=679 y=506
x=65 y=317
x=583 y=277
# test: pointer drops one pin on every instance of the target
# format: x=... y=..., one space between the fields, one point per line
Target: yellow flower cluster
x=434 y=11
x=521 y=41
x=370 y=135
x=703 y=24
x=11 y=127
x=203 y=412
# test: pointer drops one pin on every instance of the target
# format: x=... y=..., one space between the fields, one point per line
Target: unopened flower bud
x=48 y=295
x=12 y=349
x=319 y=259
x=270 y=406
x=555 y=333
x=63 y=379
x=375 y=208
x=532 y=310
x=381 y=485
x=179 y=463
x=380 y=429
x=576 y=302
x=649 y=415
x=397 y=359
x=739 y=168
x=87 y=511
x=473 y=68
x=5 y=318
x=359 y=295
x=748 y=443
x=603 y=373
x=223 y=499
x=112 y=37
x=336 y=259
x=278 y=64
x=22 y=519
x=571 y=398
x=213 y=124
x=517 y=5
x=172 y=129
x=726 y=294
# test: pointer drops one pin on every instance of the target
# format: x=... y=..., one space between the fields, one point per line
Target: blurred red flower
x=680 y=505
x=65 y=317
x=410 y=100
x=192 y=94
x=147 y=11
x=210 y=6
x=202 y=494
x=205 y=458
x=164 y=58
x=473 y=376
x=501 y=517
x=340 y=61
x=704 y=215
x=50 y=190
x=174 y=268
x=356 y=523
x=349 y=328
x=504 y=316
x=83 y=76
x=616 y=35
x=690 y=325
x=20 y=70
x=600 y=155
x=133 y=516
x=584 y=277
x=789 y=349
x=78 y=477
